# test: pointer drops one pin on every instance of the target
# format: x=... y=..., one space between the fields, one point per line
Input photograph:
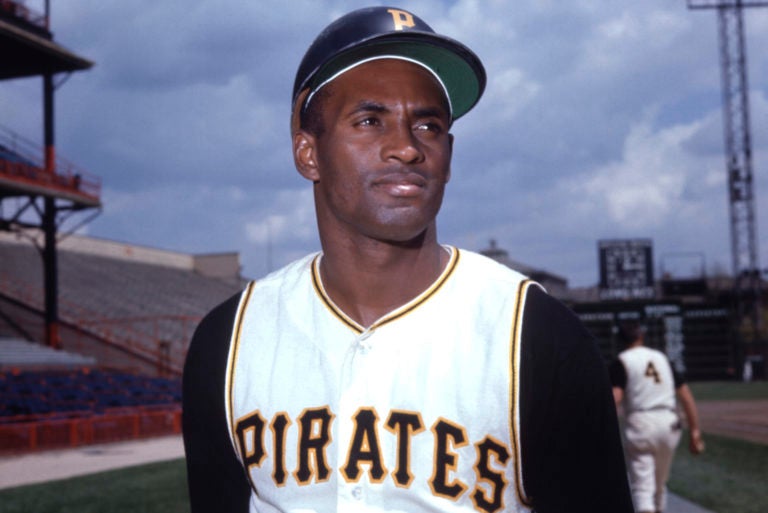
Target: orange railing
x=20 y=10
x=20 y=161
x=145 y=337
x=32 y=433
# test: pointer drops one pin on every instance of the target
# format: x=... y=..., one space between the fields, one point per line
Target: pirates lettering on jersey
x=364 y=455
x=294 y=445
x=404 y=425
x=279 y=429
x=447 y=437
x=401 y=19
x=488 y=450
x=250 y=432
x=314 y=439
x=364 y=447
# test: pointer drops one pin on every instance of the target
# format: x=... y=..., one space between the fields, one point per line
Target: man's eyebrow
x=430 y=112
x=368 y=106
x=376 y=107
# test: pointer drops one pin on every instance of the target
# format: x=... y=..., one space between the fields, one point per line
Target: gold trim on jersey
x=317 y=283
x=515 y=344
x=234 y=347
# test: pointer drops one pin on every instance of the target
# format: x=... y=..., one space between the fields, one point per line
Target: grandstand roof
x=28 y=52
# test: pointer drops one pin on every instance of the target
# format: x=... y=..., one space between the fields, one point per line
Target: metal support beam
x=27 y=49
x=738 y=148
x=50 y=259
x=738 y=153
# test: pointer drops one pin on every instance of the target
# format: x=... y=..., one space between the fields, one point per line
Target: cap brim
x=459 y=68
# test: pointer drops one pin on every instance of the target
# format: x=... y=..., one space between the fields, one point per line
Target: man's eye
x=429 y=127
x=368 y=122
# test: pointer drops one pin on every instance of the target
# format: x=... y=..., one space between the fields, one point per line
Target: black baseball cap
x=388 y=32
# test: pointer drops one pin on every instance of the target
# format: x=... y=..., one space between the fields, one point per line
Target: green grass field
x=153 y=488
x=731 y=474
x=729 y=477
x=724 y=390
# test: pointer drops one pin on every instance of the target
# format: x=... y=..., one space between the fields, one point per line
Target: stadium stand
x=127 y=306
x=126 y=316
x=86 y=391
x=697 y=337
x=94 y=332
x=15 y=353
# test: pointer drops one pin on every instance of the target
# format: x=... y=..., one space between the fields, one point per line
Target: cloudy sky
x=600 y=120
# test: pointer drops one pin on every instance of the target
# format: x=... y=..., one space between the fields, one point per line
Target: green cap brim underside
x=457 y=75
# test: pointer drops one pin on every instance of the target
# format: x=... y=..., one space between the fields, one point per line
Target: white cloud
x=599 y=119
x=646 y=186
x=296 y=222
x=508 y=92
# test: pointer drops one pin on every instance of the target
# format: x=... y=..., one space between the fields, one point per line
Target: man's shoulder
x=487 y=272
x=630 y=352
x=483 y=267
x=658 y=354
x=293 y=271
x=494 y=280
x=642 y=350
x=263 y=287
x=641 y=354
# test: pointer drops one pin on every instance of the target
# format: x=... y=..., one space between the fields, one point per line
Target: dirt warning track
x=747 y=420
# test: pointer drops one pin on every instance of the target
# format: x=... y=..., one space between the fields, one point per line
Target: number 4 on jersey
x=651 y=372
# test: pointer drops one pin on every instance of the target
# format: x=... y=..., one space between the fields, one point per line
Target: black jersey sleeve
x=216 y=480
x=618 y=374
x=572 y=457
x=678 y=377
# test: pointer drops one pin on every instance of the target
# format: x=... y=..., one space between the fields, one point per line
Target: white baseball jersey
x=467 y=398
x=327 y=415
x=650 y=381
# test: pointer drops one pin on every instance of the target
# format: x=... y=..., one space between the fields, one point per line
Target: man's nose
x=402 y=144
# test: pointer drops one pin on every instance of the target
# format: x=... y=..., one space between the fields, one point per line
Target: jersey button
x=357 y=493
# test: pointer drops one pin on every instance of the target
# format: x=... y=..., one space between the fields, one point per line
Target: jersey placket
x=353 y=494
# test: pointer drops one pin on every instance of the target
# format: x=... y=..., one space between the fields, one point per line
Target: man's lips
x=401 y=184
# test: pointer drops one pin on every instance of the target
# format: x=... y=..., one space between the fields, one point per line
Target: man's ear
x=305 y=155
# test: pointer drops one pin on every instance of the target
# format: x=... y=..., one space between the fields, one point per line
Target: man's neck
x=369 y=282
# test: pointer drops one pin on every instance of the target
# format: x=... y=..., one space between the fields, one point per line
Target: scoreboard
x=626 y=269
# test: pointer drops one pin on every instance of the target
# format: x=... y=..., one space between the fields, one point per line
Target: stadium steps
x=14 y=353
x=133 y=304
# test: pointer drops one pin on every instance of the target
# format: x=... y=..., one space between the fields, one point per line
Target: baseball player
x=645 y=384
x=390 y=372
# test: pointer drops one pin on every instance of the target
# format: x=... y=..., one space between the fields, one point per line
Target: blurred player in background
x=645 y=385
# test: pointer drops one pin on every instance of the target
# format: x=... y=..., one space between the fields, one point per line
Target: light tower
x=738 y=153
